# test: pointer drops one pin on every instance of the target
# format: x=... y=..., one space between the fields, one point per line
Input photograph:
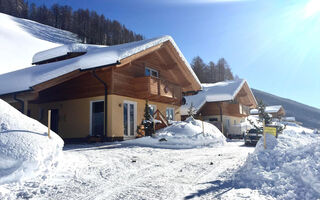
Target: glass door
x=97 y=118
x=129 y=118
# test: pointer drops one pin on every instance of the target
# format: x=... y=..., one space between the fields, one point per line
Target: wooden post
x=154 y=124
x=49 y=122
x=264 y=137
x=200 y=116
x=202 y=127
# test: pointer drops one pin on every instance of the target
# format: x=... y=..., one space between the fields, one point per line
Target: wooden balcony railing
x=157 y=89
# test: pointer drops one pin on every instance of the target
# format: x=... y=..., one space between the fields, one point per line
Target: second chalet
x=224 y=104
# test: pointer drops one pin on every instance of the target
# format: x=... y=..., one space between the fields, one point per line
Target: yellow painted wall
x=74 y=115
x=115 y=118
x=225 y=119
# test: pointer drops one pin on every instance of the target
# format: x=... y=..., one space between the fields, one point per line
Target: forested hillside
x=308 y=115
x=88 y=25
x=211 y=72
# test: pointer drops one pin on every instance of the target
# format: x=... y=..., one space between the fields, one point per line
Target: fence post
x=49 y=122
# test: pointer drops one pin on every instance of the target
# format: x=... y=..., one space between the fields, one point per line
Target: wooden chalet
x=224 y=104
x=96 y=91
x=276 y=111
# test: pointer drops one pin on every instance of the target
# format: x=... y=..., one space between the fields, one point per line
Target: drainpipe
x=221 y=118
x=20 y=101
x=105 y=101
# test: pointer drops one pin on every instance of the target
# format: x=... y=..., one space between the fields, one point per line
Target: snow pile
x=288 y=169
x=187 y=134
x=25 y=149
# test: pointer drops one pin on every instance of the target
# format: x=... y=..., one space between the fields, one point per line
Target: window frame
x=151 y=70
x=91 y=110
x=173 y=113
x=155 y=108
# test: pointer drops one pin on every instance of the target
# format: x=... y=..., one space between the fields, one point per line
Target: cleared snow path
x=120 y=171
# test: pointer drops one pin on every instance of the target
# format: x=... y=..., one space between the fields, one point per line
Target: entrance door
x=97 y=118
x=55 y=120
x=129 y=118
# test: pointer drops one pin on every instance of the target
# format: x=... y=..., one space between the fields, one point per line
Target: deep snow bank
x=288 y=169
x=187 y=134
x=25 y=149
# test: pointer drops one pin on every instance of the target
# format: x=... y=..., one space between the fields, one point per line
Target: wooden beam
x=139 y=55
x=166 y=66
x=56 y=81
x=183 y=68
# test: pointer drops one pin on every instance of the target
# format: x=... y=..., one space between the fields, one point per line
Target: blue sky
x=273 y=44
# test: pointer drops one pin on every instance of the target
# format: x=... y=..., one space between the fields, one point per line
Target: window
x=41 y=114
x=152 y=109
x=170 y=114
x=213 y=119
x=151 y=72
x=235 y=122
x=129 y=118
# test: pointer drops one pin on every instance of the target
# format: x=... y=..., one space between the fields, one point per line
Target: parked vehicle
x=237 y=131
x=252 y=137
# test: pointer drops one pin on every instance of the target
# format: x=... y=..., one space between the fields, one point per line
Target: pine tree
x=198 y=67
x=191 y=110
x=262 y=113
x=147 y=115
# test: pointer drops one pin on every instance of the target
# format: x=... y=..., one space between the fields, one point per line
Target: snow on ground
x=187 y=134
x=20 y=39
x=26 y=151
x=288 y=169
x=142 y=169
x=123 y=171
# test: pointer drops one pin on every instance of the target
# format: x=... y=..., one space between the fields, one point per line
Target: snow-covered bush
x=25 y=149
x=187 y=134
x=288 y=169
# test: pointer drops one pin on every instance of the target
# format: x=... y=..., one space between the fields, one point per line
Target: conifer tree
x=262 y=113
x=191 y=110
x=147 y=115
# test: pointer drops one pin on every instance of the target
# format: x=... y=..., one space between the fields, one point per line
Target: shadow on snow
x=47 y=33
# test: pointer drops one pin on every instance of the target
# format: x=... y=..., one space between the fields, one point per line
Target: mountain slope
x=20 y=39
x=309 y=116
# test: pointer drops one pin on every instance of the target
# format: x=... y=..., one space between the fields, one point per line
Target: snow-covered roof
x=63 y=50
x=268 y=109
x=291 y=119
x=20 y=39
x=213 y=92
x=24 y=79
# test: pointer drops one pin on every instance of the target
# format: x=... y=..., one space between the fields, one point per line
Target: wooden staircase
x=159 y=116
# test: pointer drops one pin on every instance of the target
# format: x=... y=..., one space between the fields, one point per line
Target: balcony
x=156 y=89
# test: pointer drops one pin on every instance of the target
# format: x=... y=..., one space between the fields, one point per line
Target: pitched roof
x=214 y=92
x=25 y=79
x=268 y=109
